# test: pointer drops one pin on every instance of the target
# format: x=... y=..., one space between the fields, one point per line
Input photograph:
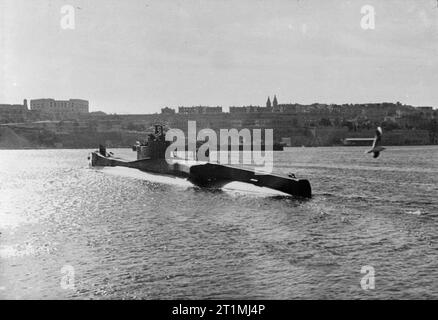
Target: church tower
x=275 y=102
x=268 y=103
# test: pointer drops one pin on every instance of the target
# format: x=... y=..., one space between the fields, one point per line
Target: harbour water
x=123 y=234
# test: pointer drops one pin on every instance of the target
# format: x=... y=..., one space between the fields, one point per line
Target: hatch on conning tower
x=154 y=146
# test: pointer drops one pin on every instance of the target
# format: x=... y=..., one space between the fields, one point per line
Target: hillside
x=10 y=140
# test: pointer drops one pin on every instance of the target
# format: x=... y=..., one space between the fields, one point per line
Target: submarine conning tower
x=155 y=145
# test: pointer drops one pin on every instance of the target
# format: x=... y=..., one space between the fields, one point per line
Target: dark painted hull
x=209 y=174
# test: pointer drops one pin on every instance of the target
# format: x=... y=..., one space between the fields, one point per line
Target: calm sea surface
x=119 y=233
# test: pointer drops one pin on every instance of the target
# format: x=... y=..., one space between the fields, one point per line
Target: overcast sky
x=137 y=56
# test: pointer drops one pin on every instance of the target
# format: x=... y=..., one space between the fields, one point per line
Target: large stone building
x=60 y=109
x=13 y=112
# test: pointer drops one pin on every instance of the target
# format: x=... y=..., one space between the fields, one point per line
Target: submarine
x=151 y=158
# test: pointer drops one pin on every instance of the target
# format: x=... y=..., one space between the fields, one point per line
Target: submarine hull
x=206 y=174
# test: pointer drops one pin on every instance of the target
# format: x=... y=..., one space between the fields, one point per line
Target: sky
x=138 y=56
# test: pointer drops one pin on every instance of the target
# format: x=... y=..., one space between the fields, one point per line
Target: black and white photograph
x=218 y=150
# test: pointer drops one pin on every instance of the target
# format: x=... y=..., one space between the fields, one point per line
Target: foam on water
x=237 y=188
x=137 y=174
x=418 y=212
x=233 y=188
x=9 y=251
x=10 y=221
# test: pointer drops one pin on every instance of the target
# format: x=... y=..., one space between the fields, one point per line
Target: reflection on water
x=128 y=234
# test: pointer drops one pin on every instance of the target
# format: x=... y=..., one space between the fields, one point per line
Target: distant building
x=285 y=108
x=390 y=119
x=167 y=110
x=60 y=108
x=274 y=103
x=13 y=112
x=199 y=110
x=250 y=109
x=427 y=112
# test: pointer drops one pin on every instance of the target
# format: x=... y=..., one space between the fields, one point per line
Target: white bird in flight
x=377 y=148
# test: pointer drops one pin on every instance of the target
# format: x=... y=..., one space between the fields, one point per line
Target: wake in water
x=233 y=188
x=137 y=174
x=418 y=212
x=237 y=188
